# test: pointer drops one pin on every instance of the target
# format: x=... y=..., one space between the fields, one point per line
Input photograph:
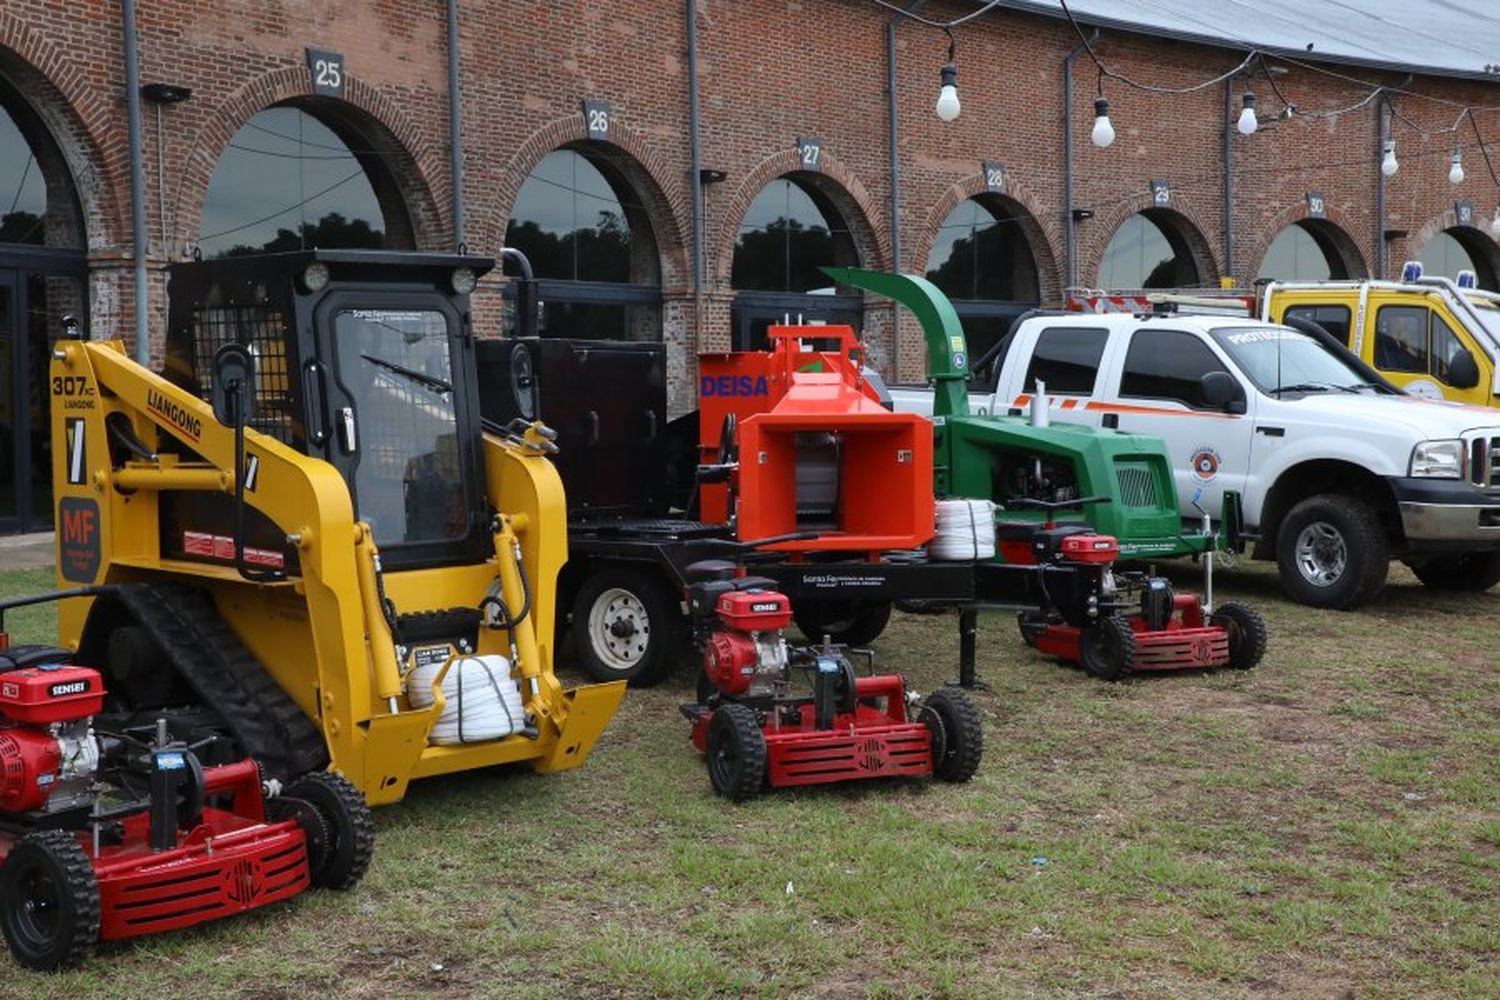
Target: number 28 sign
x=327 y=69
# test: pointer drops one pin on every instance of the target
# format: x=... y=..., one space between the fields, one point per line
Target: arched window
x=42 y=267
x=791 y=229
x=1311 y=250
x=291 y=180
x=1460 y=249
x=983 y=262
x=591 y=245
x=1149 y=250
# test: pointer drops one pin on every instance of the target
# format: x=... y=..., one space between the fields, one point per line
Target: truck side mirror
x=1222 y=392
x=1463 y=371
x=234 y=385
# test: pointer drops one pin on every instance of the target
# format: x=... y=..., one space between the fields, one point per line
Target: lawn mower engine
x=758 y=726
x=1113 y=622
x=106 y=836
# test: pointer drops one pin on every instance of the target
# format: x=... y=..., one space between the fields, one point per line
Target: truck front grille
x=1137 y=484
x=1484 y=461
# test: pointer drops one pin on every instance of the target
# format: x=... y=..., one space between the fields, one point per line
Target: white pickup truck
x=1338 y=475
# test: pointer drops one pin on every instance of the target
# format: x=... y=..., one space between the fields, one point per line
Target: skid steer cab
x=315 y=548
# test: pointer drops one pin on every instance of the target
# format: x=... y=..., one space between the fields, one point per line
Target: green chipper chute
x=1117 y=483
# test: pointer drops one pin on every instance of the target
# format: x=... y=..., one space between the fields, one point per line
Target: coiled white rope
x=965 y=530
x=481 y=701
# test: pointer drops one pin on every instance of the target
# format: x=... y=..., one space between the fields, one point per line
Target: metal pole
x=968 y=636
x=137 y=179
x=1228 y=179
x=1071 y=278
x=695 y=145
x=894 y=137
x=1382 y=132
x=455 y=129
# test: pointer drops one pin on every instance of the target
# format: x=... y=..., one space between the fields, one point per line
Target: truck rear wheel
x=848 y=622
x=1470 y=573
x=627 y=628
x=1332 y=552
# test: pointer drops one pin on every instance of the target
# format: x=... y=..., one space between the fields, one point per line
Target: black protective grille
x=1137 y=484
x=262 y=328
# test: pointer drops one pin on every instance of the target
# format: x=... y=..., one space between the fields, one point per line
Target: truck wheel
x=1332 y=552
x=848 y=622
x=1106 y=648
x=1471 y=573
x=736 y=753
x=49 y=901
x=348 y=832
x=957 y=735
x=1247 y=633
x=626 y=627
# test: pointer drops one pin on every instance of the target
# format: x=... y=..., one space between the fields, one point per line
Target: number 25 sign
x=327 y=70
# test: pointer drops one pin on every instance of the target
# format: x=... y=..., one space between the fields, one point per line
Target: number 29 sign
x=327 y=70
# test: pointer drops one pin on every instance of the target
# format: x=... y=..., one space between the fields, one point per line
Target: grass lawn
x=1327 y=825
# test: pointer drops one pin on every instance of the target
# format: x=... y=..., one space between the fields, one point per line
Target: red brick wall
x=770 y=70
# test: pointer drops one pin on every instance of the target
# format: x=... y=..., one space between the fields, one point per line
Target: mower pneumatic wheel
x=340 y=861
x=1472 y=573
x=1106 y=648
x=957 y=735
x=1247 y=633
x=1331 y=551
x=847 y=622
x=736 y=753
x=626 y=626
x=49 y=901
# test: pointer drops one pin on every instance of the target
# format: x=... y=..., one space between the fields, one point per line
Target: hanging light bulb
x=1456 y=171
x=1104 y=132
x=1495 y=224
x=1247 y=123
x=1388 y=165
x=947 y=102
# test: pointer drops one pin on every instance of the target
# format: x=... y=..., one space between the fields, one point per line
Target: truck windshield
x=395 y=365
x=1281 y=360
x=1490 y=317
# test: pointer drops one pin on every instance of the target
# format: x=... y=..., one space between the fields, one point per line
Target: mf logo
x=77 y=460
x=78 y=543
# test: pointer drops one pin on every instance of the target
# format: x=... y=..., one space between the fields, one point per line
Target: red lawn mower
x=111 y=835
x=1113 y=622
x=756 y=732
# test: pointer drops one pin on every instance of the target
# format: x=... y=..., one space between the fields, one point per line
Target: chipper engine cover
x=116 y=835
x=757 y=726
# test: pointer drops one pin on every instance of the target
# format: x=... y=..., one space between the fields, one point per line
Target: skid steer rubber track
x=227 y=677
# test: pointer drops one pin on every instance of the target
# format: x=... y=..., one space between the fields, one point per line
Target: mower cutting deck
x=755 y=733
x=105 y=836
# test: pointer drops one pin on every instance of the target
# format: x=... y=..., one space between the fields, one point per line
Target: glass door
x=12 y=404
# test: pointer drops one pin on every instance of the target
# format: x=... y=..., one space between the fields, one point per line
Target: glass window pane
x=981 y=254
x=1334 y=319
x=1167 y=364
x=408 y=481
x=1445 y=347
x=23 y=191
x=288 y=182
x=1140 y=255
x=1444 y=255
x=1401 y=339
x=572 y=223
x=1295 y=256
x=1066 y=359
x=786 y=236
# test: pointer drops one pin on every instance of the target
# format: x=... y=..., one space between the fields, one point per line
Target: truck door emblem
x=1206 y=462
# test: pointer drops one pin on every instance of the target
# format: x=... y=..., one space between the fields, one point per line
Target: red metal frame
x=233 y=860
x=870 y=742
x=1184 y=644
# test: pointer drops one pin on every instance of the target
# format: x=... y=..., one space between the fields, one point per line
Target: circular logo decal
x=1206 y=462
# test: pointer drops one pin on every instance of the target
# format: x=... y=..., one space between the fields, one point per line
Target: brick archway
x=1333 y=224
x=1181 y=214
x=1472 y=238
x=57 y=90
x=637 y=160
x=835 y=180
x=417 y=170
x=1038 y=225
